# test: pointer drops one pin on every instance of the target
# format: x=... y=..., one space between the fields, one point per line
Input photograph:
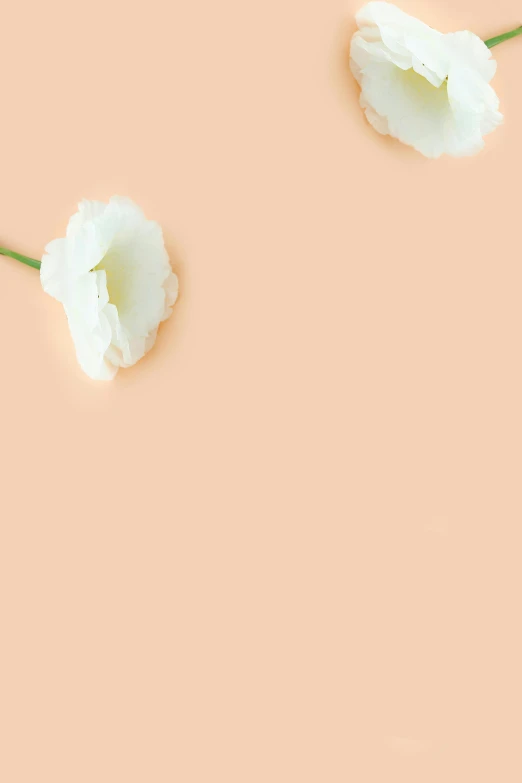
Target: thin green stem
x=24 y=259
x=491 y=42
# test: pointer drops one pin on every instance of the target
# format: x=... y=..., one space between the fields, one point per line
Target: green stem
x=491 y=42
x=24 y=259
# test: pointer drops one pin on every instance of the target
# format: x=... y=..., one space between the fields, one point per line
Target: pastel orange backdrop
x=285 y=546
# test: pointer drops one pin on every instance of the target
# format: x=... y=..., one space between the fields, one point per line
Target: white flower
x=427 y=89
x=112 y=275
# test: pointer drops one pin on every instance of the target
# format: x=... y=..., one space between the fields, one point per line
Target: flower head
x=112 y=275
x=429 y=90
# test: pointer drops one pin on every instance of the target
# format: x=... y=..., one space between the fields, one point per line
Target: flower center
x=419 y=88
x=114 y=270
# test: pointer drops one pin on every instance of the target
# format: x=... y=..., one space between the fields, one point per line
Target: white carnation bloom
x=112 y=275
x=429 y=90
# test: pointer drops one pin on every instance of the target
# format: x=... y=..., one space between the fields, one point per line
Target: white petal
x=91 y=343
x=470 y=51
x=379 y=123
x=87 y=212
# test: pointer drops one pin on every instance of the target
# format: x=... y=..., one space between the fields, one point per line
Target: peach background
x=286 y=546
